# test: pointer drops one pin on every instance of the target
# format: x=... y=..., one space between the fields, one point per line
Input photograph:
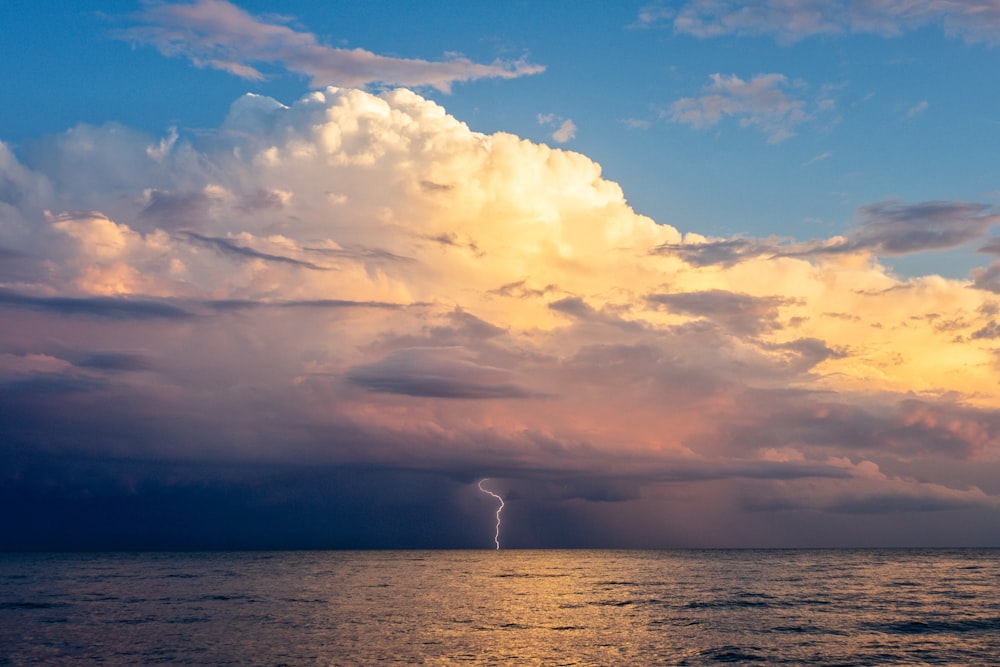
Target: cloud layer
x=360 y=280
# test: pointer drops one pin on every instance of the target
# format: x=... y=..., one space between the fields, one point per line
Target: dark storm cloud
x=705 y=471
x=893 y=503
x=740 y=313
x=114 y=361
x=89 y=359
x=224 y=305
x=115 y=308
x=911 y=427
x=45 y=386
x=228 y=248
x=881 y=496
x=943 y=428
x=123 y=504
x=435 y=373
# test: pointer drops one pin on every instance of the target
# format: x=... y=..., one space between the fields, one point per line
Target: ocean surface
x=797 y=607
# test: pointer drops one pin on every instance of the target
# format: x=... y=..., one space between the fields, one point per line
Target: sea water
x=798 y=607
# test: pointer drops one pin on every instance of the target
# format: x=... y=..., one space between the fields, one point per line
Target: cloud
x=565 y=128
x=894 y=228
x=988 y=278
x=741 y=313
x=219 y=35
x=825 y=155
x=169 y=210
x=916 y=110
x=486 y=306
x=725 y=252
x=435 y=373
x=975 y=21
x=886 y=228
x=766 y=101
x=636 y=123
x=104 y=307
x=231 y=249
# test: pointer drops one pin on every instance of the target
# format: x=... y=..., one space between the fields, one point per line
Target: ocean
x=572 y=607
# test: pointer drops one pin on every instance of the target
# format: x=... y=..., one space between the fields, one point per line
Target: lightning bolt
x=496 y=538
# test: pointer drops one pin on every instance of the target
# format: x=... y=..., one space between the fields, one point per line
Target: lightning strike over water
x=496 y=538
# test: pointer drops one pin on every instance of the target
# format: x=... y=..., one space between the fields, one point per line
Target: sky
x=697 y=273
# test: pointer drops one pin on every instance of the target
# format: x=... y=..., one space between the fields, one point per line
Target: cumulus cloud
x=974 y=21
x=220 y=35
x=766 y=101
x=361 y=280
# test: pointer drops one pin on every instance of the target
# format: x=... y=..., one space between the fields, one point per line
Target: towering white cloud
x=360 y=278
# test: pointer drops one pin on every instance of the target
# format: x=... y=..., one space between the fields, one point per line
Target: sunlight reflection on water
x=507 y=607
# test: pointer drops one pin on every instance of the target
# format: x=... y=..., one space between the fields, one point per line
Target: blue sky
x=692 y=273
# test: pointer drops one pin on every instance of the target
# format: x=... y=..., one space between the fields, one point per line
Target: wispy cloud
x=894 y=228
x=974 y=21
x=825 y=155
x=766 y=101
x=565 y=128
x=636 y=123
x=887 y=228
x=228 y=247
x=916 y=110
x=220 y=35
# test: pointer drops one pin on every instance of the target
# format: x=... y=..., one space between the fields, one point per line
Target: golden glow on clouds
x=387 y=198
x=445 y=295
